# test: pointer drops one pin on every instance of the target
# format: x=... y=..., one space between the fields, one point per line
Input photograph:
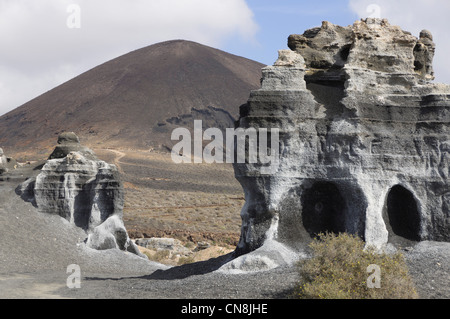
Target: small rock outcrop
x=3 y=162
x=87 y=192
x=174 y=246
x=364 y=141
x=6 y=163
x=69 y=142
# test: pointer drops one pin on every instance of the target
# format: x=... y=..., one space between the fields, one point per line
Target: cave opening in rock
x=403 y=213
x=323 y=209
x=345 y=52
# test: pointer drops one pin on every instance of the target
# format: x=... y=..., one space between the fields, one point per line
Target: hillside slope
x=136 y=100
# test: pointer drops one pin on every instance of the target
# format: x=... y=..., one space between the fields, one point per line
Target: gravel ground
x=36 y=249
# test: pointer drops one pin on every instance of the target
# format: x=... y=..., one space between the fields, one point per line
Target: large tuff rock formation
x=86 y=191
x=364 y=140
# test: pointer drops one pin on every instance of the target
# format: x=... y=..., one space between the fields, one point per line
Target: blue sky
x=278 y=19
x=46 y=42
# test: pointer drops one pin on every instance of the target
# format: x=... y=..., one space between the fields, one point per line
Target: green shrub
x=338 y=270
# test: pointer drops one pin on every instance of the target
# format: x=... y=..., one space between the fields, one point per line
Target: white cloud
x=414 y=16
x=40 y=51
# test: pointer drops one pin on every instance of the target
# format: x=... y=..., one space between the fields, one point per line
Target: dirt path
x=116 y=160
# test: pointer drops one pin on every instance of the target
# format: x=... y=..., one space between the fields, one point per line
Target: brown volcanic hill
x=136 y=100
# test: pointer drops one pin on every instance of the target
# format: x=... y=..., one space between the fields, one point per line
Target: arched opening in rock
x=403 y=213
x=323 y=209
x=345 y=52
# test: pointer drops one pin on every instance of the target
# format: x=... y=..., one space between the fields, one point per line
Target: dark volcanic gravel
x=36 y=249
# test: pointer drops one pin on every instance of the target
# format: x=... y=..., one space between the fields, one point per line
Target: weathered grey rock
x=371 y=44
x=26 y=190
x=324 y=47
x=84 y=190
x=6 y=163
x=201 y=245
x=111 y=234
x=69 y=142
x=424 y=54
x=289 y=58
x=171 y=244
x=270 y=255
x=3 y=162
x=364 y=141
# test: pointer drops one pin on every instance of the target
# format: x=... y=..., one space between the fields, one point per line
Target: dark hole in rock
x=323 y=209
x=345 y=51
x=82 y=209
x=418 y=65
x=403 y=214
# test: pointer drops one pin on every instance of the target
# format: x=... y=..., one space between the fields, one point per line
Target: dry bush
x=338 y=270
x=158 y=256
x=186 y=260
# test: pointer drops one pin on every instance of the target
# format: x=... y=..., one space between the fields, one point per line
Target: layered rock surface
x=87 y=192
x=364 y=140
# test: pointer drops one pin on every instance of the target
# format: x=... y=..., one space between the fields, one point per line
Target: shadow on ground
x=193 y=269
x=183 y=271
